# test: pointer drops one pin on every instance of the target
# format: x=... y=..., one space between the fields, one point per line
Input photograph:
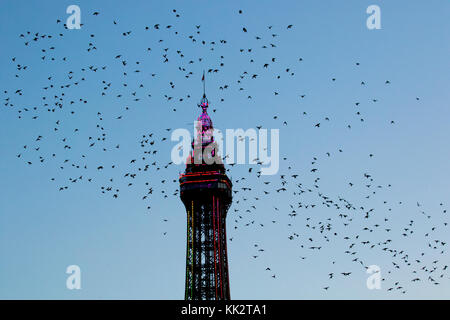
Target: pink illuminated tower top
x=204 y=125
x=203 y=145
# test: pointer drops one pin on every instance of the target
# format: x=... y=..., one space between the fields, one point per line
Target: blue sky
x=121 y=247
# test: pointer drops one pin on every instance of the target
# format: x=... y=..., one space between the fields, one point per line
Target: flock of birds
x=311 y=231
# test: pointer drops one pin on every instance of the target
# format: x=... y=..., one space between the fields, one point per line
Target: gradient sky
x=121 y=248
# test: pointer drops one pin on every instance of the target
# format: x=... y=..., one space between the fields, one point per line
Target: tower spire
x=204 y=102
x=203 y=80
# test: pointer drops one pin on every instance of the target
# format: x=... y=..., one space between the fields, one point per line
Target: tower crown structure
x=204 y=125
x=205 y=190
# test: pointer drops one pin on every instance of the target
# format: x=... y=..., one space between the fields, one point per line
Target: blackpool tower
x=205 y=191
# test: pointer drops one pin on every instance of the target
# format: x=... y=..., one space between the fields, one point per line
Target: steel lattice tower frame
x=206 y=193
